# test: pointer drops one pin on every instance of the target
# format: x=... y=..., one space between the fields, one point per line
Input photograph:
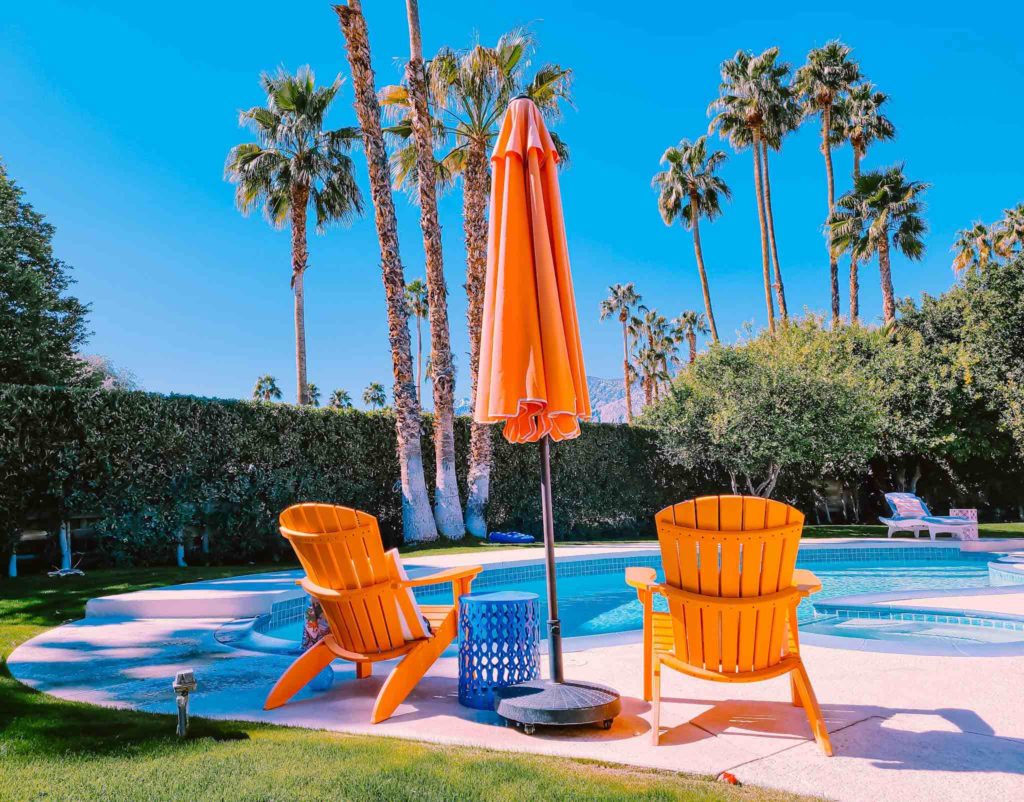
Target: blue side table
x=499 y=644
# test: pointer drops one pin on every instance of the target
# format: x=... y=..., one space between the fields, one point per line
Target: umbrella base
x=559 y=704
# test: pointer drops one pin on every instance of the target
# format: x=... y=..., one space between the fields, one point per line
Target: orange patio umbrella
x=531 y=375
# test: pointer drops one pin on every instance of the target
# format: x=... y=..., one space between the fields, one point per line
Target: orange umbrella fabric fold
x=531 y=372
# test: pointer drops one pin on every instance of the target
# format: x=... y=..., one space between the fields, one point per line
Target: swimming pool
x=594 y=599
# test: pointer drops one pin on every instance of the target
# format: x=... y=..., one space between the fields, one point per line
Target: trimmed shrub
x=156 y=469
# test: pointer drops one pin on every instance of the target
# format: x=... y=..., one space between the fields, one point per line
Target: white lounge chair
x=911 y=514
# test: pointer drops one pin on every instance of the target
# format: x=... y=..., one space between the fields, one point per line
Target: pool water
x=598 y=604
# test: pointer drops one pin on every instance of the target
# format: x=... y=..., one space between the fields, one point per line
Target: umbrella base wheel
x=557 y=704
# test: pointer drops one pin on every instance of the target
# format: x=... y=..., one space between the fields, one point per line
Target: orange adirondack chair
x=367 y=602
x=732 y=591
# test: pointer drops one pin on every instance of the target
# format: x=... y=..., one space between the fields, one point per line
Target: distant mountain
x=607 y=400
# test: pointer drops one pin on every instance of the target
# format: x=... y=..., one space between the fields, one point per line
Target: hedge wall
x=155 y=468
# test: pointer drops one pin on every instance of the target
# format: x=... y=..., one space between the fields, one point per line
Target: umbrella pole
x=547 y=514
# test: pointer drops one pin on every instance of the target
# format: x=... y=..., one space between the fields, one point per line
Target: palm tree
x=657 y=349
x=447 y=505
x=689 y=190
x=266 y=389
x=295 y=164
x=621 y=300
x=826 y=77
x=312 y=395
x=882 y=211
x=688 y=325
x=374 y=396
x=973 y=247
x=1010 y=232
x=783 y=115
x=857 y=118
x=340 y=399
x=745 y=94
x=417 y=305
x=418 y=521
x=469 y=92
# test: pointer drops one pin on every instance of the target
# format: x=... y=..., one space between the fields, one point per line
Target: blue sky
x=118 y=118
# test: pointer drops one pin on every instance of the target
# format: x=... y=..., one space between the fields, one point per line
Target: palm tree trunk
x=419 y=360
x=476 y=188
x=691 y=340
x=854 y=282
x=833 y=264
x=764 y=233
x=625 y=372
x=699 y=253
x=885 y=272
x=447 y=506
x=418 y=522
x=780 y=291
x=300 y=257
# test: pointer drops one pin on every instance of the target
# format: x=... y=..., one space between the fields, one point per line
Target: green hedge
x=155 y=468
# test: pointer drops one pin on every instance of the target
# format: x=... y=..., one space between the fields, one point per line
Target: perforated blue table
x=499 y=644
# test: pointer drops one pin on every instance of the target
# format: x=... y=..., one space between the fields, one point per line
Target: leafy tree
x=1010 y=232
x=857 y=118
x=772 y=408
x=417 y=305
x=621 y=301
x=883 y=211
x=828 y=76
x=41 y=325
x=374 y=396
x=295 y=164
x=266 y=389
x=340 y=399
x=688 y=325
x=689 y=190
x=469 y=91
x=417 y=517
x=312 y=395
x=101 y=370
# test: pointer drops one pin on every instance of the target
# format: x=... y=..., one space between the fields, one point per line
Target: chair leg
x=308 y=665
x=656 y=704
x=794 y=692
x=363 y=670
x=813 y=709
x=411 y=670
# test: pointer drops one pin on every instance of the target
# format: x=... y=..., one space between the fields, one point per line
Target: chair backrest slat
x=729 y=546
x=341 y=549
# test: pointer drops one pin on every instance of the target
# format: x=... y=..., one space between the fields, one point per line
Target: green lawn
x=55 y=750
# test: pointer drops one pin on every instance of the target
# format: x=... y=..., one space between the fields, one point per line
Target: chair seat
x=949 y=520
x=436 y=614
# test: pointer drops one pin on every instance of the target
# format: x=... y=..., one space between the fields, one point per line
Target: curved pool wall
x=258 y=633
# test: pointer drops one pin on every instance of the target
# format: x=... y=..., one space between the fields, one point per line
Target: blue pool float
x=510 y=537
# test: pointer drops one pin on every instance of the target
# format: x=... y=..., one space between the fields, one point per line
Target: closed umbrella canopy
x=531 y=372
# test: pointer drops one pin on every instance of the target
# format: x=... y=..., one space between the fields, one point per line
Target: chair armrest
x=447 y=575
x=806 y=582
x=643 y=579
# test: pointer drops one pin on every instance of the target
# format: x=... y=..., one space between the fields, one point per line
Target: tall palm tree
x=312 y=395
x=689 y=190
x=447 y=505
x=882 y=211
x=266 y=389
x=295 y=164
x=621 y=300
x=1010 y=232
x=340 y=399
x=469 y=92
x=689 y=324
x=783 y=115
x=418 y=520
x=741 y=115
x=858 y=119
x=656 y=351
x=974 y=247
x=374 y=396
x=827 y=76
x=418 y=305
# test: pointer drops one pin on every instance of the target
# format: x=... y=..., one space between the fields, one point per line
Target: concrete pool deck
x=907 y=727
